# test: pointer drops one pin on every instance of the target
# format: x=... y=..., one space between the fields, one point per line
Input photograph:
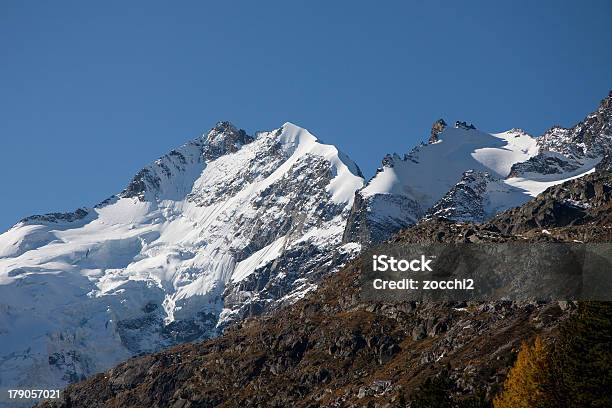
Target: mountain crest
x=223 y=227
x=223 y=139
x=508 y=168
x=223 y=126
x=437 y=127
x=463 y=125
x=575 y=149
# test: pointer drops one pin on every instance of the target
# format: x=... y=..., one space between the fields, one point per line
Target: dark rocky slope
x=586 y=201
x=562 y=149
x=330 y=349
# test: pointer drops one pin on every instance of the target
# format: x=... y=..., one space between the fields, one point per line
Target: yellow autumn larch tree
x=525 y=386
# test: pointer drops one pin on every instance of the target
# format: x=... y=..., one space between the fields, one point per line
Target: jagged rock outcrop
x=564 y=150
x=583 y=201
x=464 y=125
x=77 y=214
x=224 y=139
x=466 y=201
x=437 y=128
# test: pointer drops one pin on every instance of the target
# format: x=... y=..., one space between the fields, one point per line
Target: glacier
x=222 y=227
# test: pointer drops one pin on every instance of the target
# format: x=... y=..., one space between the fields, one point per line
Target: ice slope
x=404 y=189
x=518 y=147
x=156 y=264
x=535 y=184
x=429 y=171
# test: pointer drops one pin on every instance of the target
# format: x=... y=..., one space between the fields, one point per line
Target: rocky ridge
x=482 y=174
x=331 y=349
x=565 y=150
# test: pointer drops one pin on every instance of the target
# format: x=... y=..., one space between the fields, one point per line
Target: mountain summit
x=504 y=170
x=222 y=227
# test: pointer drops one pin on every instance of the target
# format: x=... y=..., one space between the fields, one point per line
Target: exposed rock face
x=388 y=160
x=332 y=349
x=222 y=139
x=583 y=201
x=465 y=201
x=437 y=127
x=301 y=205
x=464 y=125
x=357 y=227
x=605 y=163
x=565 y=150
x=545 y=163
x=592 y=134
x=78 y=214
x=374 y=219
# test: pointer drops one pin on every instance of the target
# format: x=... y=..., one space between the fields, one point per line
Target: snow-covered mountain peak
x=403 y=190
x=223 y=139
x=294 y=137
x=517 y=131
x=221 y=227
x=434 y=175
x=347 y=176
x=222 y=127
x=172 y=175
x=459 y=148
x=464 y=172
x=567 y=152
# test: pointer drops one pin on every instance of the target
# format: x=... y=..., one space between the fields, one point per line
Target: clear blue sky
x=92 y=91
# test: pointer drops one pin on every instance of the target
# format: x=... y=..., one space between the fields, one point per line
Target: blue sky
x=92 y=91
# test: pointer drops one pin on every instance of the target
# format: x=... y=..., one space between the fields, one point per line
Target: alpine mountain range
x=232 y=225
